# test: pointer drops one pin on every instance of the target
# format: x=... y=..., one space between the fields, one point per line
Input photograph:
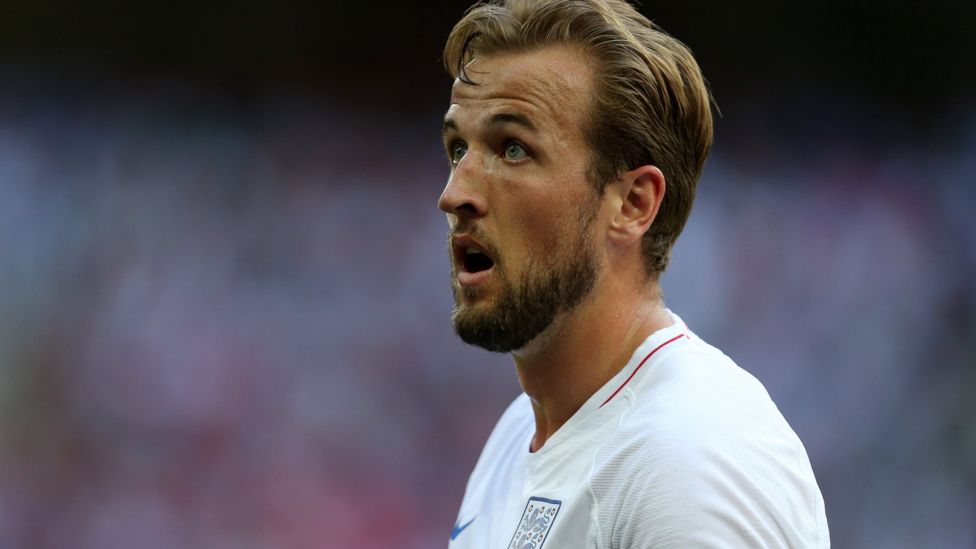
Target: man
x=576 y=134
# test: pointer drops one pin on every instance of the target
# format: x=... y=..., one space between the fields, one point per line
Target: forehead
x=552 y=85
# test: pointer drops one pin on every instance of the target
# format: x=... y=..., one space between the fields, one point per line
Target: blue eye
x=515 y=151
x=455 y=152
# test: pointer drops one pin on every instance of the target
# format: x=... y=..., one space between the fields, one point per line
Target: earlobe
x=642 y=191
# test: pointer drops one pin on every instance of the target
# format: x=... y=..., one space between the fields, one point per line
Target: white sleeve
x=720 y=491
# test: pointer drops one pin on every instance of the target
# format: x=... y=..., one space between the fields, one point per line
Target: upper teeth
x=472 y=251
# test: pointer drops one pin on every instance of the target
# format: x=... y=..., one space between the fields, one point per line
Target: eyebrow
x=499 y=119
x=449 y=124
x=518 y=119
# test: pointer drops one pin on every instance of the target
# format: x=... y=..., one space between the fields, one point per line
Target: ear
x=639 y=196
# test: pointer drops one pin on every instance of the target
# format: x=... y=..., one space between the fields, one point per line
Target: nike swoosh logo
x=458 y=529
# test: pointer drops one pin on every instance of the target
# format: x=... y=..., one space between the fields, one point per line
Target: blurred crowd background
x=224 y=303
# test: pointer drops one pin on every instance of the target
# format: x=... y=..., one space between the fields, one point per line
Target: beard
x=525 y=307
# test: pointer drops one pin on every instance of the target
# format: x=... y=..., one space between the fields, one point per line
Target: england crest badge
x=536 y=522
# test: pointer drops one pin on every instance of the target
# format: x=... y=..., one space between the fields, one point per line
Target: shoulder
x=708 y=391
x=701 y=457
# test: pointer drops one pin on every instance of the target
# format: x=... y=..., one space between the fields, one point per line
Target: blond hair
x=651 y=103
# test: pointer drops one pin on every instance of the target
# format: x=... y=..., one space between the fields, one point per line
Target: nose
x=462 y=196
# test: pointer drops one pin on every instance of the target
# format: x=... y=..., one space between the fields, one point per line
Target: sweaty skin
x=488 y=165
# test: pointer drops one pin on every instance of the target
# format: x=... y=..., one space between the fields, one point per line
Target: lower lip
x=465 y=278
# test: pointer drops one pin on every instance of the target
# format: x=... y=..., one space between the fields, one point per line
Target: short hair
x=651 y=103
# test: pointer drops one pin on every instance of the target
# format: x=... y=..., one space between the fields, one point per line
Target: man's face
x=520 y=206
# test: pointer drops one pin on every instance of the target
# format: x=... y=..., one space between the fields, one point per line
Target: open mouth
x=475 y=261
x=469 y=256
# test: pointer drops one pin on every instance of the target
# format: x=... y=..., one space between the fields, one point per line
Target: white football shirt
x=682 y=448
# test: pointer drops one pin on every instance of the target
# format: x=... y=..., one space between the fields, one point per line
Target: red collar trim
x=637 y=369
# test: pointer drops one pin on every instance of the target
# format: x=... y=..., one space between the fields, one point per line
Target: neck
x=581 y=351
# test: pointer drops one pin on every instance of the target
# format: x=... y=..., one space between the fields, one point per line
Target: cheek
x=539 y=216
x=538 y=231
